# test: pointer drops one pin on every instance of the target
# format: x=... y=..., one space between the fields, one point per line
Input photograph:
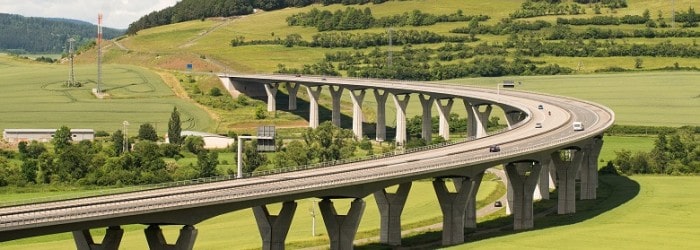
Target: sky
x=116 y=13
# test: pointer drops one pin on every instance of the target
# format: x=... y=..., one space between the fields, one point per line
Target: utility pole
x=125 y=144
x=71 y=75
x=99 y=53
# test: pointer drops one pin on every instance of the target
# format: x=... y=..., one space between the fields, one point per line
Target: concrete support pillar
x=381 y=114
x=274 y=228
x=427 y=128
x=470 y=212
x=444 y=110
x=390 y=209
x=342 y=228
x=513 y=117
x=566 y=175
x=336 y=95
x=314 y=92
x=453 y=206
x=156 y=240
x=523 y=177
x=401 y=118
x=112 y=239
x=293 y=89
x=271 y=90
x=477 y=120
x=357 y=117
x=544 y=181
x=589 y=169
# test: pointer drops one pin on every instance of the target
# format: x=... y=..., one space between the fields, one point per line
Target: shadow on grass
x=613 y=191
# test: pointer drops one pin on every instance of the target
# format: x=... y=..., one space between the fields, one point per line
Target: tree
x=252 y=159
x=118 y=142
x=194 y=144
x=147 y=132
x=207 y=163
x=61 y=139
x=175 y=128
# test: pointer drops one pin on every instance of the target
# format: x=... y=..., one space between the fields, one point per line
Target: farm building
x=44 y=135
x=210 y=140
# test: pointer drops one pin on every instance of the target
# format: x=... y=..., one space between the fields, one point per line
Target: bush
x=215 y=91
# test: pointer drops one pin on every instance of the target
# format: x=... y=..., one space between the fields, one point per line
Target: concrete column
x=381 y=114
x=566 y=175
x=274 y=228
x=314 y=92
x=357 y=117
x=513 y=117
x=112 y=239
x=544 y=181
x=444 y=110
x=293 y=89
x=523 y=177
x=589 y=169
x=453 y=206
x=427 y=128
x=156 y=240
x=390 y=209
x=271 y=90
x=342 y=228
x=336 y=95
x=477 y=120
x=470 y=213
x=401 y=118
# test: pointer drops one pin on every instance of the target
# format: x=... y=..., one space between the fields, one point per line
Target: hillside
x=46 y=35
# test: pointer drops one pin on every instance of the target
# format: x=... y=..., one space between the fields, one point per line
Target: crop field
x=34 y=96
x=239 y=228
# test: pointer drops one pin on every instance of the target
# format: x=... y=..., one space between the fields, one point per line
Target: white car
x=578 y=126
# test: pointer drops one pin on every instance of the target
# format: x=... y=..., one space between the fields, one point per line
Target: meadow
x=34 y=96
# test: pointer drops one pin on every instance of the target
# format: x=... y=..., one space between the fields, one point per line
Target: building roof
x=202 y=134
x=48 y=130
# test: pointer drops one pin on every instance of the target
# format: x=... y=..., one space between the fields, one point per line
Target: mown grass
x=34 y=96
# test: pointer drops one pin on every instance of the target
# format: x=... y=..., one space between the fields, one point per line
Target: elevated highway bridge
x=531 y=155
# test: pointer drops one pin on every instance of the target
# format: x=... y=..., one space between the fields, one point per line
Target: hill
x=46 y=35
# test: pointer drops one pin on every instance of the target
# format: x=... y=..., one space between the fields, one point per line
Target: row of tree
x=606 y=20
x=593 y=48
x=675 y=154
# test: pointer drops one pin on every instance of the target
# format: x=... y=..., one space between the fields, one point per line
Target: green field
x=642 y=212
x=34 y=96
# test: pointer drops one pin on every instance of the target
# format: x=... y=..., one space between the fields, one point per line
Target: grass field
x=642 y=212
x=34 y=96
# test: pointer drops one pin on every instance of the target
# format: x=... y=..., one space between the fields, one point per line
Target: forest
x=46 y=35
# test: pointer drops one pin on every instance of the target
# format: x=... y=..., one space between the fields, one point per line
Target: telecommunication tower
x=99 y=53
x=71 y=75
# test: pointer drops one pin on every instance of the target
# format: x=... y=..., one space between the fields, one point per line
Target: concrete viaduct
x=532 y=157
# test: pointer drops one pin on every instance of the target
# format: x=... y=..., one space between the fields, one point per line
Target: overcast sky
x=116 y=13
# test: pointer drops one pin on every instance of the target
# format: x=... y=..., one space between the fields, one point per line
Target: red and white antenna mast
x=99 y=52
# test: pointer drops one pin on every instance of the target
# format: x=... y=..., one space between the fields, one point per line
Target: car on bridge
x=578 y=126
x=494 y=148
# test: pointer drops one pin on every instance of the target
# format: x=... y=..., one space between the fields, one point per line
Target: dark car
x=497 y=204
x=494 y=148
x=540 y=106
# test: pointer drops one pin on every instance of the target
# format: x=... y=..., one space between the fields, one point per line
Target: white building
x=44 y=135
x=211 y=141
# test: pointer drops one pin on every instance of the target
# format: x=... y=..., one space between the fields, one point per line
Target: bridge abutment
x=522 y=179
x=112 y=239
x=390 y=209
x=427 y=119
x=566 y=175
x=401 y=118
x=342 y=228
x=274 y=228
x=156 y=240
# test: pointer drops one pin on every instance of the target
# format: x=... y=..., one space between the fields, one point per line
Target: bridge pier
x=566 y=175
x=513 y=116
x=453 y=206
x=401 y=118
x=390 y=209
x=444 y=110
x=293 y=89
x=381 y=114
x=336 y=95
x=470 y=212
x=271 y=90
x=342 y=228
x=357 y=117
x=427 y=121
x=314 y=92
x=522 y=179
x=156 y=240
x=589 y=169
x=477 y=121
x=112 y=239
x=274 y=228
x=544 y=181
